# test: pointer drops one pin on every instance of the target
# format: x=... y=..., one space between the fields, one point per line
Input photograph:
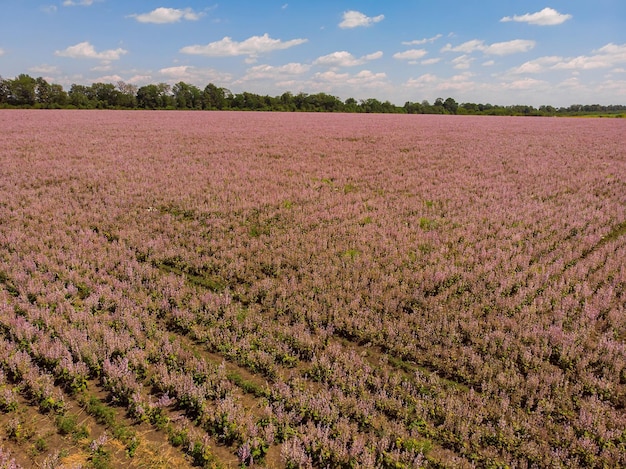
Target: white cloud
x=194 y=75
x=345 y=59
x=419 y=42
x=331 y=76
x=607 y=56
x=1 y=52
x=467 y=47
x=44 y=69
x=252 y=47
x=430 y=61
x=362 y=78
x=430 y=83
x=71 y=3
x=524 y=84
x=421 y=81
x=545 y=17
x=84 y=50
x=49 y=9
x=354 y=19
x=510 y=47
x=458 y=83
x=462 y=62
x=140 y=79
x=264 y=72
x=104 y=67
x=411 y=54
x=537 y=65
x=108 y=79
x=367 y=77
x=571 y=82
x=167 y=15
x=497 y=48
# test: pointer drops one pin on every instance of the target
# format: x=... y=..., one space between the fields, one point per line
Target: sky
x=536 y=52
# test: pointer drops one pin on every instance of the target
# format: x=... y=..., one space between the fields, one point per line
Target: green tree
x=105 y=95
x=127 y=94
x=214 y=97
x=79 y=96
x=154 y=96
x=351 y=105
x=4 y=91
x=371 y=105
x=43 y=92
x=22 y=90
x=450 y=105
x=187 y=96
x=58 y=96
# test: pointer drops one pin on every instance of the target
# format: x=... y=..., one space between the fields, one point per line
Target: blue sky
x=557 y=52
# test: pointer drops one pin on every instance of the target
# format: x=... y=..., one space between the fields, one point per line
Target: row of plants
x=316 y=292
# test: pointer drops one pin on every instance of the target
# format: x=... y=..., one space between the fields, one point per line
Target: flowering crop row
x=323 y=290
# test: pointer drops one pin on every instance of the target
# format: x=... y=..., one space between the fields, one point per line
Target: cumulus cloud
x=264 y=72
x=44 y=69
x=607 y=56
x=140 y=79
x=72 y=3
x=252 y=47
x=431 y=61
x=457 y=83
x=167 y=15
x=545 y=17
x=411 y=54
x=195 y=75
x=537 y=65
x=419 y=42
x=610 y=55
x=345 y=59
x=355 y=19
x=367 y=77
x=84 y=50
x=510 y=47
x=421 y=81
x=462 y=62
x=524 y=84
x=363 y=78
x=430 y=83
x=109 y=79
x=497 y=48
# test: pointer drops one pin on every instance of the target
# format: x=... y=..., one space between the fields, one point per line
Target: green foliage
x=427 y=223
x=40 y=445
x=178 y=437
x=131 y=447
x=66 y=424
x=19 y=431
x=351 y=254
x=417 y=445
x=101 y=412
x=101 y=460
x=201 y=454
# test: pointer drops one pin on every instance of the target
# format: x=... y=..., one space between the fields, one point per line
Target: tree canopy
x=28 y=92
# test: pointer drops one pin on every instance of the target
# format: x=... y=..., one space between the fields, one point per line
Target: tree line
x=25 y=91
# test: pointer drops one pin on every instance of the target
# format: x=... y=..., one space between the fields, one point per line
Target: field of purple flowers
x=311 y=290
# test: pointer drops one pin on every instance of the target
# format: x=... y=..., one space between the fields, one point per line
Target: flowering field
x=311 y=290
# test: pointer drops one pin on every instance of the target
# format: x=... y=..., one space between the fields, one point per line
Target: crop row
x=340 y=290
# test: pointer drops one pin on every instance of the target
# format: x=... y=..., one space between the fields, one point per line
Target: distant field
x=311 y=290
